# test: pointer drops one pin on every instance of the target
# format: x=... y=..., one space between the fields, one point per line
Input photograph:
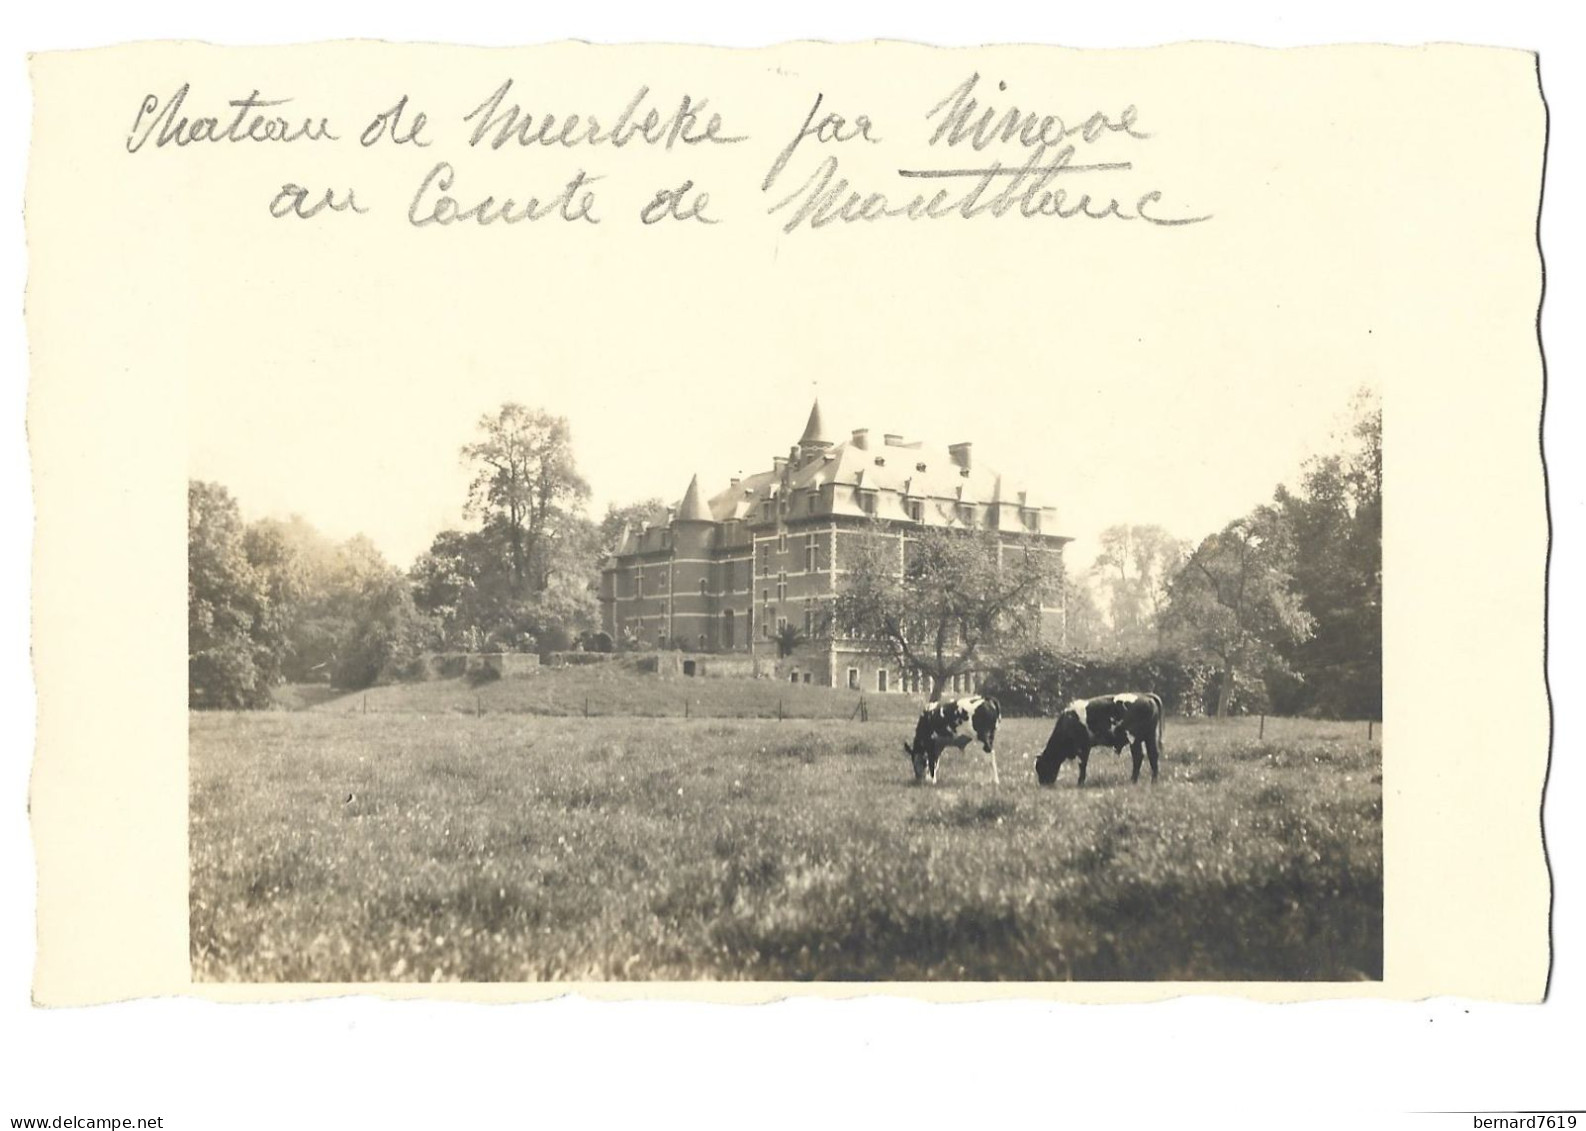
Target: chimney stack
x=893 y=440
x=862 y=439
x=960 y=453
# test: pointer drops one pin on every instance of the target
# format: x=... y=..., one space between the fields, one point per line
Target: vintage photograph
x=966 y=568
x=868 y=709
x=777 y=577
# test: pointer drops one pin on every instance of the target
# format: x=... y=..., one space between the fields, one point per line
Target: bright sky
x=1125 y=373
x=1134 y=469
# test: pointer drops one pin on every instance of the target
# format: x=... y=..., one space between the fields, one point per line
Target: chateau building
x=725 y=575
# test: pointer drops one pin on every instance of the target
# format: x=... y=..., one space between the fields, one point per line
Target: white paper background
x=409 y=1064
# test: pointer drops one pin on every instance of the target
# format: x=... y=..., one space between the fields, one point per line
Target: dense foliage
x=1280 y=610
x=276 y=601
x=944 y=602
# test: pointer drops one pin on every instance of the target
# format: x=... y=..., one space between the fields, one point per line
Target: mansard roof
x=898 y=471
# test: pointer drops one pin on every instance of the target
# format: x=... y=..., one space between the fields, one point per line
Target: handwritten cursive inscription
x=958 y=122
x=684 y=126
x=826 y=198
x=433 y=204
x=165 y=123
x=987 y=157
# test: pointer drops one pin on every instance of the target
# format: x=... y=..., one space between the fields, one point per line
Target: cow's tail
x=1161 y=718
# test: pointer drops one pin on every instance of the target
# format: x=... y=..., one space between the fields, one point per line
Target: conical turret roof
x=693 y=508
x=815 y=430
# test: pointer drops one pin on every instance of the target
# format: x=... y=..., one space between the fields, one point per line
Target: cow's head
x=1067 y=741
x=916 y=756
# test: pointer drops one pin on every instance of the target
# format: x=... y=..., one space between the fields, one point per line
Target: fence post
x=366 y=702
x=586 y=706
x=1262 y=733
x=1369 y=724
x=779 y=710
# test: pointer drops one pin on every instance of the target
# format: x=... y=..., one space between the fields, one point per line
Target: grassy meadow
x=434 y=844
x=613 y=689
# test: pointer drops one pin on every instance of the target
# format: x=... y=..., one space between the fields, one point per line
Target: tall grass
x=351 y=847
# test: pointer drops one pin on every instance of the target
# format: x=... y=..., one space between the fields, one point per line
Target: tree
x=788 y=638
x=1084 y=627
x=1134 y=568
x=526 y=483
x=1336 y=519
x=235 y=639
x=465 y=582
x=652 y=510
x=1233 y=600
x=941 y=602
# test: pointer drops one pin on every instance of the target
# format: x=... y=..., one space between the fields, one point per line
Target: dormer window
x=917 y=510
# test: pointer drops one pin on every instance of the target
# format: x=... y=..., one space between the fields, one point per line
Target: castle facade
x=727 y=575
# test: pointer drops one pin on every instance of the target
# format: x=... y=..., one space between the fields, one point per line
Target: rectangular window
x=853 y=679
x=809 y=508
x=806 y=677
x=781 y=588
x=809 y=554
x=781 y=542
x=881 y=679
x=702 y=587
x=917 y=510
x=966 y=512
x=867 y=502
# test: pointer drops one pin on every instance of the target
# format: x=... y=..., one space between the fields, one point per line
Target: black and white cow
x=938 y=726
x=1132 y=719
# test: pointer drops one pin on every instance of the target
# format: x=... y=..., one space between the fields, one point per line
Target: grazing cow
x=927 y=752
x=938 y=729
x=1129 y=719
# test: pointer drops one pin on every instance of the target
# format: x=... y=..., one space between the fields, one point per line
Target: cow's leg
x=1137 y=752
x=931 y=759
x=1153 y=751
x=1084 y=760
